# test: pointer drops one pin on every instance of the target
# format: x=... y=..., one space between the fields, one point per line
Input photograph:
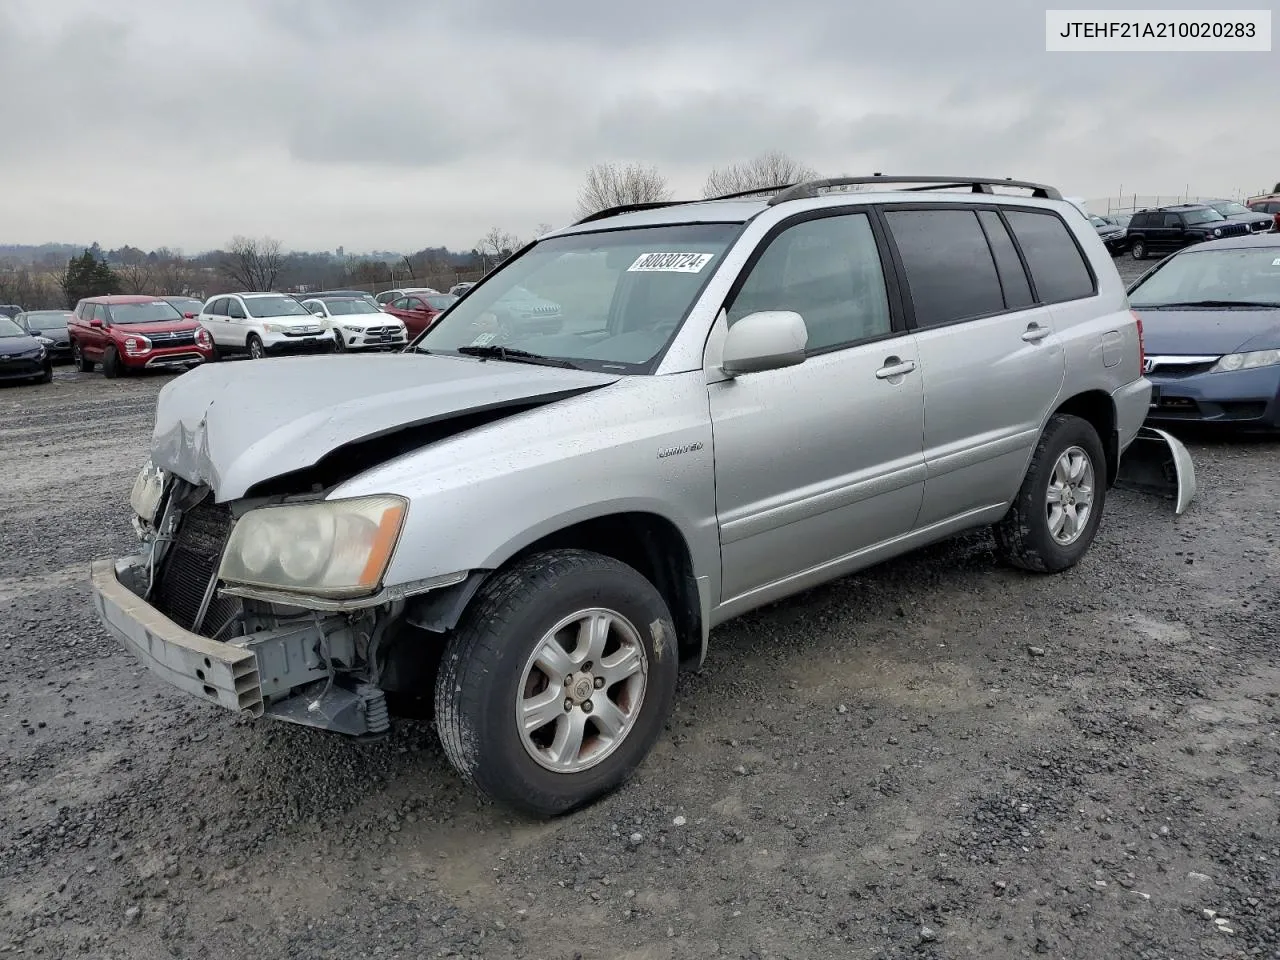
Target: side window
x=100 y=313
x=950 y=271
x=1013 y=278
x=1137 y=220
x=218 y=308
x=827 y=270
x=401 y=304
x=84 y=311
x=1172 y=220
x=1057 y=266
x=235 y=310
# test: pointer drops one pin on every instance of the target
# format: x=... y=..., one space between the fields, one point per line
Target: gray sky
x=396 y=124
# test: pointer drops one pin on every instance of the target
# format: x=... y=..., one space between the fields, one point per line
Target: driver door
x=819 y=462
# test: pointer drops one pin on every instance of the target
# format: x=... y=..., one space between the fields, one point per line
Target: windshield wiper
x=1213 y=303
x=498 y=352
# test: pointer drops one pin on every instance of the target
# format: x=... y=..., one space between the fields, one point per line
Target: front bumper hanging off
x=286 y=673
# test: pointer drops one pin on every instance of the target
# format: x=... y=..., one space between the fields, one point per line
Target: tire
x=256 y=349
x=1025 y=537
x=339 y=344
x=489 y=658
x=77 y=357
x=47 y=376
x=1138 y=249
x=111 y=366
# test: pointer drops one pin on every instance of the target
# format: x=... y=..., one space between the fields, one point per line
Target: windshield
x=187 y=306
x=48 y=321
x=609 y=300
x=1248 y=275
x=10 y=329
x=342 y=308
x=1208 y=215
x=1099 y=222
x=274 y=307
x=1230 y=208
x=154 y=311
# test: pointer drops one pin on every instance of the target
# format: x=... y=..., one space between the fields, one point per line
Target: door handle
x=893 y=367
x=1035 y=332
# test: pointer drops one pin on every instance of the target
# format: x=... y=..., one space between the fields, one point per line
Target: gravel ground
x=938 y=758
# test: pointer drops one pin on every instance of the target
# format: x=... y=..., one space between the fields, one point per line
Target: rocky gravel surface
x=938 y=758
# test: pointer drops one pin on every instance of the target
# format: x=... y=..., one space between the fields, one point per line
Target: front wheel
x=1139 y=250
x=558 y=681
x=1055 y=516
x=339 y=344
x=111 y=367
x=256 y=350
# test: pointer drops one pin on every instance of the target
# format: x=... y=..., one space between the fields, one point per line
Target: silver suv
x=530 y=529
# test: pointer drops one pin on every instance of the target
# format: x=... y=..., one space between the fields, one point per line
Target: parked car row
x=1160 y=230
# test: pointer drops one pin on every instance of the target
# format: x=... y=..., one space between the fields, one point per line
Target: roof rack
x=656 y=204
x=628 y=208
x=810 y=188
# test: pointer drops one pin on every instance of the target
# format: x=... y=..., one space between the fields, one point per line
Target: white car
x=386 y=296
x=260 y=324
x=357 y=324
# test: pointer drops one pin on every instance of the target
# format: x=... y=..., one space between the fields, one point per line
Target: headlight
x=274 y=327
x=351 y=329
x=1246 y=361
x=136 y=344
x=44 y=341
x=334 y=548
x=147 y=490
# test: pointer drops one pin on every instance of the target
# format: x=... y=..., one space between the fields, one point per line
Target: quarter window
x=948 y=263
x=827 y=270
x=1057 y=266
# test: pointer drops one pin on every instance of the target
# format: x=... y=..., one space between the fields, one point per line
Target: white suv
x=263 y=323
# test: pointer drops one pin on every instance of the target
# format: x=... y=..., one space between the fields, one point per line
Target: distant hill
x=27 y=253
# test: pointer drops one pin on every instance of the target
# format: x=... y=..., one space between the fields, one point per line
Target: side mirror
x=768 y=340
x=188 y=316
x=95 y=322
x=318 y=313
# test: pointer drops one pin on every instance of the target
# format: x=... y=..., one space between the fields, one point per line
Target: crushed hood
x=235 y=424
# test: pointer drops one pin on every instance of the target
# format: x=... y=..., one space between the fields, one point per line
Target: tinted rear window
x=950 y=273
x=1058 y=268
x=1013 y=278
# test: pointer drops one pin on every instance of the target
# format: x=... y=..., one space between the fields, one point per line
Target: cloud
x=396 y=124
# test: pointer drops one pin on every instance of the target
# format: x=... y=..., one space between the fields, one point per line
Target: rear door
x=238 y=323
x=991 y=360
x=213 y=318
x=96 y=340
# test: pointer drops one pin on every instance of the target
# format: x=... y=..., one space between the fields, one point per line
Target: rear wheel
x=77 y=356
x=558 y=681
x=1138 y=250
x=1055 y=516
x=256 y=350
x=111 y=366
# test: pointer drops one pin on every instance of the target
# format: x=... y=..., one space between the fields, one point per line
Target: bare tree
x=253 y=263
x=135 y=277
x=612 y=185
x=772 y=169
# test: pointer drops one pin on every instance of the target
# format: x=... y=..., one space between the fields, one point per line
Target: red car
x=419 y=310
x=126 y=333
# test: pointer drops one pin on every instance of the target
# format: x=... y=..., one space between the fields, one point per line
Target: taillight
x=1142 y=346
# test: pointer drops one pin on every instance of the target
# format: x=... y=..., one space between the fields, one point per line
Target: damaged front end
x=1156 y=462
x=254 y=644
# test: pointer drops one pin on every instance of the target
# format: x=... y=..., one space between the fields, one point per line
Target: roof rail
x=748 y=193
x=627 y=208
x=809 y=189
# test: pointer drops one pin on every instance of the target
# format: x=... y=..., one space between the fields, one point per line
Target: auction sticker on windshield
x=670 y=262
